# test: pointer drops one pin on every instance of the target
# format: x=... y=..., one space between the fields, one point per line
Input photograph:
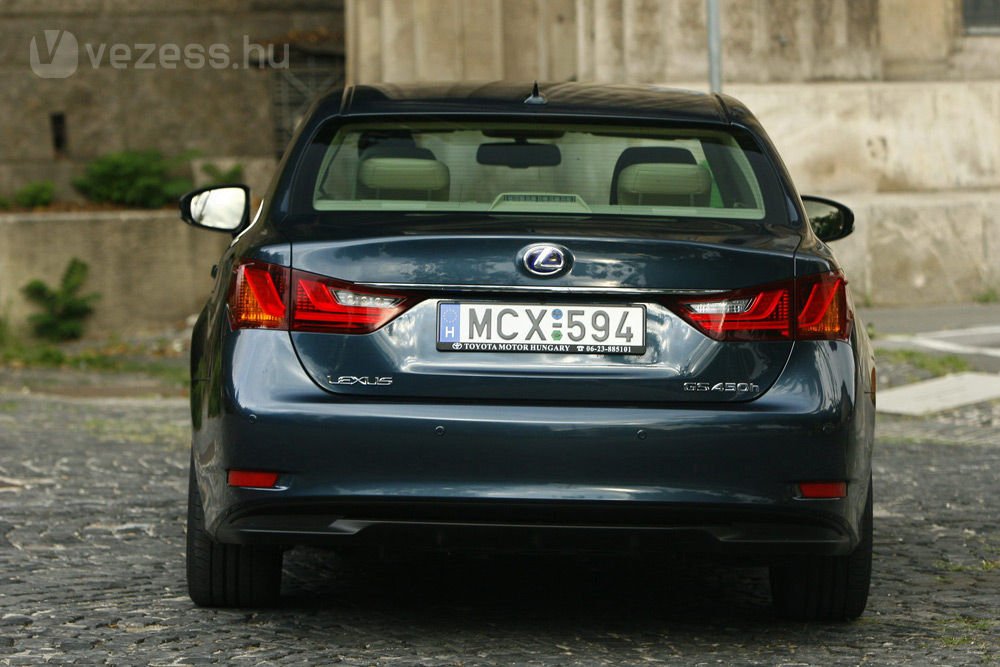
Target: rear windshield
x=540 y=168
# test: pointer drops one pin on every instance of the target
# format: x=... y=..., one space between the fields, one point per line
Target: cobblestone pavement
x=92 y=570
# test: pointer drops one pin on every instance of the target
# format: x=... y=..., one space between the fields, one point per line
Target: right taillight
x=807 y=308
x=269 y=296
x=822 y=307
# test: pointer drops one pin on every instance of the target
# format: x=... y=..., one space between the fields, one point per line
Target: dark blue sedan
x=572 y=318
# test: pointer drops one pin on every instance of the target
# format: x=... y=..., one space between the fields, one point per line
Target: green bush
x=992 y=295
x=135 y=178
x=4 y=203
x=64 y=310
x=35 y=194
x=223 y=176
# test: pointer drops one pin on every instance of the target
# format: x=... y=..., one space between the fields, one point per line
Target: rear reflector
x=268 y=296
x=253 y=478
x=807 y=308
x=823 y=489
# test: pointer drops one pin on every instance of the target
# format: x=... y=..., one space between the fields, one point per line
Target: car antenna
x=535 y=97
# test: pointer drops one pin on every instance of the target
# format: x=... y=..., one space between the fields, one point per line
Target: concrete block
x=853 y=137
x=150 y=269
x=929 y=249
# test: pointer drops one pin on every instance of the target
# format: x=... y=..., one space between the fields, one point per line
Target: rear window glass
x=540 y=168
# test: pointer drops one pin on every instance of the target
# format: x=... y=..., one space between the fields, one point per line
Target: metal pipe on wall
x=714 y=47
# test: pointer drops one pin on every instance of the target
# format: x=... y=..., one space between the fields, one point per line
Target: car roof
x=563 y=99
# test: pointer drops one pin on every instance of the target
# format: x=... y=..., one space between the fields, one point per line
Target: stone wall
x=911 y=249
x=636 y=41
x=151 y=270
x=883 y=137
x=609 y=40
x=215 y=111
x=442 y=40
x=770 y=40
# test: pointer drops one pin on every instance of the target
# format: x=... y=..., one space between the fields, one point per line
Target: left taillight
x=806 y=308
x=258 y=296
x=268 y=296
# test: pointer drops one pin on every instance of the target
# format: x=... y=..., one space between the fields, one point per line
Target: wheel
x=826 y=588
x=227 y=575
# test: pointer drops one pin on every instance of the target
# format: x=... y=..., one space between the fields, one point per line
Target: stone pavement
x=92 y=496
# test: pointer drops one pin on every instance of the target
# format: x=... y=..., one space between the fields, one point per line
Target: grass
x=984 y=566
x=111 y=358
x=935 y=364
x=969 y=630
x=992 y=295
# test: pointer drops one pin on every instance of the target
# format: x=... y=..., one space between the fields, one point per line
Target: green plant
x=39 y=193
x=991 y=295
x=135 y=178
x=5 y=335
x=64 y=309
x=219 y=176
x=934 y=364
x=4 y=203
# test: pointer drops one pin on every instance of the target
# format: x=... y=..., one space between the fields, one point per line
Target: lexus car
x=563 y=318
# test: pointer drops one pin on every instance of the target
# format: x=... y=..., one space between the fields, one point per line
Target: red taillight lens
x=743 y=315
x=324 y=304
x=823 y=311
x=259 y=299
x=257 y=296
x=808 y=308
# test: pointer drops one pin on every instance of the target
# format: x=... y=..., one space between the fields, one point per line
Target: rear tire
x=227 y=575
x=826 y=588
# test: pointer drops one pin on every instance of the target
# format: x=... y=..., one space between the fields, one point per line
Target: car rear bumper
x=542 y=526
x=700 y=478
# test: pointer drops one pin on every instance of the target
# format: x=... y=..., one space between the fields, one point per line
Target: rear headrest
x=403 y=173
x=663 y=178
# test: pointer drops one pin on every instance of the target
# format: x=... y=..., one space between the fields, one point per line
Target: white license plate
x=569 y=329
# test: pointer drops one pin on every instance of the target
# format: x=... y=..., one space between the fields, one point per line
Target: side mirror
x=830 y=220
x=220 y=208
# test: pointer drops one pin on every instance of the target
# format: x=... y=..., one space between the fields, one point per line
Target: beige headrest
x=403 y=173
x=664 y=178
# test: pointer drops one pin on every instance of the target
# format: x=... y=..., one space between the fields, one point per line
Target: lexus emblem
x=546 y=260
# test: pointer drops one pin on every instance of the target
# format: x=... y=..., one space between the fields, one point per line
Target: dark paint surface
x=613 y=432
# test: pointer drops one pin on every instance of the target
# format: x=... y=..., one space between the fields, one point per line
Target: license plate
x=567 y=329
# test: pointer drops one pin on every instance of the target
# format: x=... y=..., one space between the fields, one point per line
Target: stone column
x=449 y=40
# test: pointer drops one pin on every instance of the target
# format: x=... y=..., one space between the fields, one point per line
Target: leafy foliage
x=135 y=178
x=992 y=295
x=223 y=176
x=64 y=309
x=39 y=193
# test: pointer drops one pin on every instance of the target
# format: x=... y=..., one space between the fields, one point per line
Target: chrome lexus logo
x=546 y=260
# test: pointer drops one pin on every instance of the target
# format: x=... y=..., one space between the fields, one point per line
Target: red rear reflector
x=253 y=478
x=823 y=489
